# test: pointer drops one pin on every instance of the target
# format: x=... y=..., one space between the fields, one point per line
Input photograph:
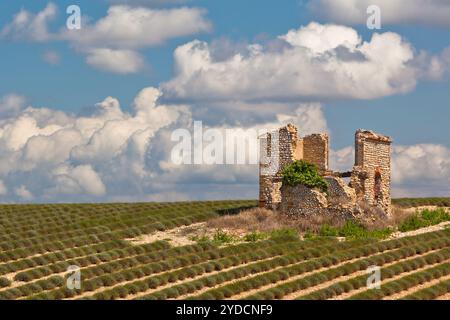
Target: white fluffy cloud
x=23 y=193
x=81 y=179
x=117 y=61
x=316 y=62
x=29 y=26
x=112 y=42
x=48 y=155
x=422 y=168
x=126 y=27
x=427 y=12
x=434 y=67
x=417 y=171
x=11 y=105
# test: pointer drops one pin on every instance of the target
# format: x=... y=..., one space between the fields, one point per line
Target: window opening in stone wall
x=377 y=186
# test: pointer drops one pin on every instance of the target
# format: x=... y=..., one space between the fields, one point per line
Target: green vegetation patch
x=424 y=219
x=221 y=237
x=354 y=230
x=302 y=172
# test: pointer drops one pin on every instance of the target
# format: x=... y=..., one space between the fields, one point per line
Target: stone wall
x=370 y=179
x=340 y=195
x=316 y=150
x=282 y=147
x=302 y=201
x=371 y=176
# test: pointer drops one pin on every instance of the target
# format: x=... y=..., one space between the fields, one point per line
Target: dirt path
x=436 y=227
x=181 y=236
x=321 y=286
x=401 y=275
x=421 y=208
x=409 y=291
x=444 y=297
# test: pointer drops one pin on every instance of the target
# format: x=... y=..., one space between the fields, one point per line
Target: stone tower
x=282 y=147
x=279 y=148
x=371 y=176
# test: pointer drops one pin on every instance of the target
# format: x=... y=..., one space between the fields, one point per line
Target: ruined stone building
x=369 y=183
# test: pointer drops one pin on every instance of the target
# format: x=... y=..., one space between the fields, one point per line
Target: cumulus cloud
x=343 y=159
x=422 y=169
x=28 y=26
x=23 y=193
x=128 y=27
x=112 y=155
x=417 y=170
x=117 y=61
x=426 y=12
x=112 y=42
x=11 y=105
x=319 y=62
x=81 y=179
x=434 y=67
x=48 y=155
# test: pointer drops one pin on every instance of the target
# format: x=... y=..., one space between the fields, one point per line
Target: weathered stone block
x=339 y=194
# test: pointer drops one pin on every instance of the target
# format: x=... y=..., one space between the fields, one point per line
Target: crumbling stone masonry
x=280 y=148
x=371 y=175
x=315 y=150
x=369 y=179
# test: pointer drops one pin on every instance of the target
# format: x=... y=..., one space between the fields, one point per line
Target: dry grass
x=264 y=220
x=255 y=219
x=399 y=215
x=374 y=218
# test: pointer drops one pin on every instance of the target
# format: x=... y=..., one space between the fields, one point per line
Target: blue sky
x=415 y=116
x=72 y=84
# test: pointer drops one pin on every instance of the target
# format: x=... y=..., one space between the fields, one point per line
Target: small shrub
x=4 y=282
x=221 y=237
x=302 y=172
x=23 y=276
x=328 y=231
x=411 y=223
x=254 y=236
x=285 y=233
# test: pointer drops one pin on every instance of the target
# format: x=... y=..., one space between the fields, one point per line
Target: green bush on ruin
x=302 y=172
